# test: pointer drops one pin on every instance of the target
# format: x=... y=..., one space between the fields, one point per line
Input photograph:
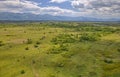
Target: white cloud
x=106 y=8
x=24 y=6
x=101 y=8
x=58 y=1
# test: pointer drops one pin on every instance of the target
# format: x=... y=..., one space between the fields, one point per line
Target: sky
x=72 y=8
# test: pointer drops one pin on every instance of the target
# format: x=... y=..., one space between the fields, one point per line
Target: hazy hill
x=28 y=16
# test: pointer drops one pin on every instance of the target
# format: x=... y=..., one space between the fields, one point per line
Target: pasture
x=60 y=49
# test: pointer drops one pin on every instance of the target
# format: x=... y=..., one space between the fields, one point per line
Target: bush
x=60 y=64
x=89 y=37
x=23 y=57
x=29 y=41
x=118 y=49
x=108 y=60
x=1 y=43
x=26 y=48
x=5 y=29
x=63 y=47
x=60 y=49
x=79 y=76
x=22 y=72
x=33 y=62
x=67 y=55
x=10 y=46
x=55 y=51
x=35 y=46
x=52 y=75
x=63 y=38
x=37 y=42
x=18 y=60
x=43 y=37
x=92 y=74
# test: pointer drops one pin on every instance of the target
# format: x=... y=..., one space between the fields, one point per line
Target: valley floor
x=59 y=49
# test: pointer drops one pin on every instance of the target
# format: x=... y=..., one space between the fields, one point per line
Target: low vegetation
x=60 y=49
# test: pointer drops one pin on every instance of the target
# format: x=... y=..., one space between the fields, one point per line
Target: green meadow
x=60 y=49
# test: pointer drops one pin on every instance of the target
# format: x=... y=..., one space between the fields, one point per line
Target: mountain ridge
x=45 y=17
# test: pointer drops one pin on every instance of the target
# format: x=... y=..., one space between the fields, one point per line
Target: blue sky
x=73 y=8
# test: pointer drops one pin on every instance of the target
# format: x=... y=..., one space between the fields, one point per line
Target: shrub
x=5 y=29
x=55 y=51
x=52 y=75
x=43 y=37
x=79 y=76
x=60 y=64
x=108 y=60
x=37 y=42
x=29 y=41
x=1 y=43
x=24 y=31
x=22 y=72
x=26 y=48
x=60 y=49
x=89 y=37
x=118 y=49
x=67 y=55
x=23 y=57
x=93 y=74
x=35 y=46
x=63 y=38
x=18 y=60
x=63 y=47
x=33 y=62
x=10 y=46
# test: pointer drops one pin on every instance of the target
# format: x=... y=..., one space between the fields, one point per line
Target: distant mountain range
x=33 y=17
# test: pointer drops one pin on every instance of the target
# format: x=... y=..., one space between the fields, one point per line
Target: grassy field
x=60 y=49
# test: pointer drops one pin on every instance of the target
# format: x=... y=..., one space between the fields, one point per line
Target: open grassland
x=60 y=49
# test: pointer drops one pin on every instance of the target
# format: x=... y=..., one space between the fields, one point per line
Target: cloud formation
x=58 y=1
x=24 y=6
x=101 y=7
x=92 y=8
